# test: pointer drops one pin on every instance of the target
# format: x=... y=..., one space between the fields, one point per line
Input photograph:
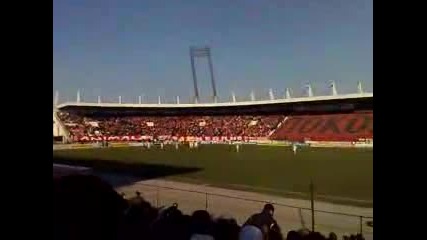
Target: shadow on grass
x=121 y=174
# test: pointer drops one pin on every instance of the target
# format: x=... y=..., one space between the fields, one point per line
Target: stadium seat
x=329 y=127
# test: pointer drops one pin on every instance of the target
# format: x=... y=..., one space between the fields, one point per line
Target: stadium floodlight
x=139 y=99
x=233 y=97
x=288 y=93
x=200 y=52
x=56 y=99
x=359 y=87
x=333 y=88
x=177 y=99
x=159 y=100
x=252 y=96
x=78 y=95
x=99 y=99
x=271 y=94
x=120 y=99
x=309 y=90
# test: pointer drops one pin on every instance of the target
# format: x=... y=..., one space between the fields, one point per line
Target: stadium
x=310 y=156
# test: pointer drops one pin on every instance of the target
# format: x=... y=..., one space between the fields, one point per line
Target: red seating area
x=330 y=127
x=197 y=126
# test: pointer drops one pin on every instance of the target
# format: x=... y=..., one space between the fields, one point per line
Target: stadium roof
x=357 y=96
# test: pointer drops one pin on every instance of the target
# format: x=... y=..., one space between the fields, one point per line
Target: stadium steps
x=278 y=126
x=61 y=125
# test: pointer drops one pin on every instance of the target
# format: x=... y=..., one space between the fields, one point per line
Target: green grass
x=340 y=175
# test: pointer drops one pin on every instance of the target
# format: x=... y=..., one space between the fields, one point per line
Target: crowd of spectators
x=197 y=126
x=85 y=207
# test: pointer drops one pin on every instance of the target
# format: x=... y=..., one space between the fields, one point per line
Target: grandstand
x=339 y=118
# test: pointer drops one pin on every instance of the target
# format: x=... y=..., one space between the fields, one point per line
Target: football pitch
x=339 y=175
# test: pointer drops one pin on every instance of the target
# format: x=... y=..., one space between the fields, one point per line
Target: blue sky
x=134 y=47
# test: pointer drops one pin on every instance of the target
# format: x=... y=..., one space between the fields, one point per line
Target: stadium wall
x=341 y=144
x=89 y=145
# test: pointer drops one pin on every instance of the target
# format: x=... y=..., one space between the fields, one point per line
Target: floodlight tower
x=202 y=52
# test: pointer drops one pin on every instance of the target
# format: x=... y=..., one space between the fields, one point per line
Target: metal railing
x=158 y=198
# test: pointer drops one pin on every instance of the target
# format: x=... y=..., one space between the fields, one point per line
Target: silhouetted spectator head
x=332 y=236
x=201 y=223
x=268 y=208
x=360 y=237
x=315 y=236
x=171 y=224
x=226 y=229
x=303 y=232
x=137 y=200
x=293 y=235
x=172 y=213
x=85 y=207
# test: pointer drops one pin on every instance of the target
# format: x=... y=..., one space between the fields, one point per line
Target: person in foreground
x=261 y=226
